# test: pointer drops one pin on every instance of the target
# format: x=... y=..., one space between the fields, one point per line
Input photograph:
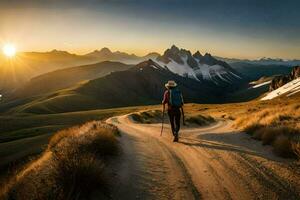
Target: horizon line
x=74 y=52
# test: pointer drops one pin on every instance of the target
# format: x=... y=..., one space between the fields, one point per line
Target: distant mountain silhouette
x=263 y=61
x=255 y=71
x=106 y=54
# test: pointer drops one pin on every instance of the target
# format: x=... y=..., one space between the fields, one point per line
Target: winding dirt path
x=214 y=162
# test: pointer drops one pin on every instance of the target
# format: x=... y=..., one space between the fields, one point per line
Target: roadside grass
x=155 y=116
x=275 y=125
x=28 y=132
x=200 y=120
x=296 y=148
x=24 y=135
x=20 y=121
x=75 y=165
x=147 y=117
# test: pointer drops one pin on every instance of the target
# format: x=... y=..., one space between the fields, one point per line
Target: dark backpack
x=175 y=97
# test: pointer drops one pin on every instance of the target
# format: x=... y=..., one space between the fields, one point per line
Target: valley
x=221 y=93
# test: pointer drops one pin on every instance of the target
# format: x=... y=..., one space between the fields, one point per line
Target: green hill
x=64 y=78
x=142 y=84
x=50 y=85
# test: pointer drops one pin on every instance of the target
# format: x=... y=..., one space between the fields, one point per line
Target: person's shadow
x=232 y=141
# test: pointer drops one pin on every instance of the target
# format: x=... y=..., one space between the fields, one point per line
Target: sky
x=228 y=28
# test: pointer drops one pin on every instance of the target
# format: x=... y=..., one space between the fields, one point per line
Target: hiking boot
x=174 y=140
x=175 y=137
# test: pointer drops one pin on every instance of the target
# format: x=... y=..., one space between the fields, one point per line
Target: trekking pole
x=162 y=123
x=183 y=119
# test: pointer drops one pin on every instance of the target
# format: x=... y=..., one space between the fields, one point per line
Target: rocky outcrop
x=173 y=53
x=279 y=81
x=295 y=73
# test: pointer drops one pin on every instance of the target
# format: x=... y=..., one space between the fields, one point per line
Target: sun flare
x=9 y=50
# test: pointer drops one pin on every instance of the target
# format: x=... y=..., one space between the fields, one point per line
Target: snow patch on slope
x=153 y=66
x=235 y=75
x=180 y=69
x=261 y=84
x=291 y=87
x=204 y=69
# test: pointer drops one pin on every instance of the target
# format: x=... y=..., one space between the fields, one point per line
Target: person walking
x=174 y=100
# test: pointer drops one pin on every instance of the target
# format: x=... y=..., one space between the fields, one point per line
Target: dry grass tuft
x=155 y=116
x=200 y=120
x=280 y=137
x=283 y=147
x=147 y=117
x=74 y=166
x=253 y=128
x=296 y=148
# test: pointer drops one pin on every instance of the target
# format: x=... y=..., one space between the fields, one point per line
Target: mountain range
x=202 y=78
x=105 y=84
x=14 y=73
x=263 y=61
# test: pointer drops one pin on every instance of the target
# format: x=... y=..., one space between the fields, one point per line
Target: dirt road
x=214 y=162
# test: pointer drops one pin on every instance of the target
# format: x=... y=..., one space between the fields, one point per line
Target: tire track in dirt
x=280 y=187
x=158 y=172
x=186 y=174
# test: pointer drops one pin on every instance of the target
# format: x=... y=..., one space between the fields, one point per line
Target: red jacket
x=166 y=98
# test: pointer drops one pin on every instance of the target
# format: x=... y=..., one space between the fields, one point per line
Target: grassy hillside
x=64 y=78
x=75 y=165
x=49 y=85
x=23 y=135
x=17 y=71
x=277 y=125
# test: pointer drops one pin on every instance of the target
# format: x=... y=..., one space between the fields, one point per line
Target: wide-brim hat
x=170 y=84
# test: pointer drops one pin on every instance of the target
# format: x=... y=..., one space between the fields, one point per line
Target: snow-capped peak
x=198 y=67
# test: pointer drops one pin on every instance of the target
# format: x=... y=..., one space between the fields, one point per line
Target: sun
x=9 y=50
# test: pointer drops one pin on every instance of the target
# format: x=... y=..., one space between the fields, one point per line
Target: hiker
x=173 y=98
